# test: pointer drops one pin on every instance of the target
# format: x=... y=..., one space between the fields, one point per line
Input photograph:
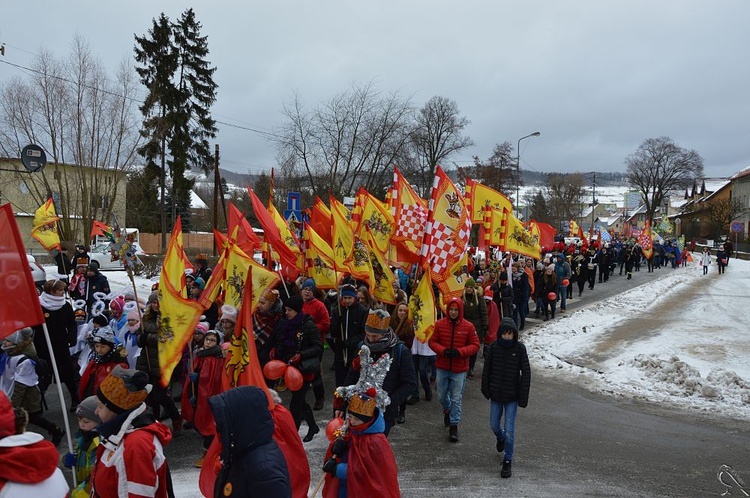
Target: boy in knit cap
x=132 y=442
x=105 y=357
x=87 y=441
x=347 y=330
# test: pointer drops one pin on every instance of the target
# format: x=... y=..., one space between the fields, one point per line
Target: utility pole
x=593 y=204
x=217 y=189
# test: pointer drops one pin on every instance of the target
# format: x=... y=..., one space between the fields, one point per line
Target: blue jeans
x=562 y=294
x=421 y=365
x=519 y=314
x=505 y=431
x=450 y=389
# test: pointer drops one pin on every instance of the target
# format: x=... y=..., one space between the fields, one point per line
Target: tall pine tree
x=177 y=119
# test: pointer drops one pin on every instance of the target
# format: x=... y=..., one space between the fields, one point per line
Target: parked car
x=101 y=254
x=37 y=273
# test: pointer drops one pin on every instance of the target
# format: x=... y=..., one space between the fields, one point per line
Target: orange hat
x=124 y=389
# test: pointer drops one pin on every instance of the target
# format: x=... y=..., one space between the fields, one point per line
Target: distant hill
x=603 y=179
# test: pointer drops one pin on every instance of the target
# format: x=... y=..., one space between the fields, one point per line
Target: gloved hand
x=452 y=353
x=295 y=359
x=339 y=447
x=330 y=466
x=69 y=460
x=272 y=353
x=193 y=376
x=356 y=364
x=193 y=401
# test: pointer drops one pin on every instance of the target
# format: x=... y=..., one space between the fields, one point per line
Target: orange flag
x=246 y=237
x=320 y=220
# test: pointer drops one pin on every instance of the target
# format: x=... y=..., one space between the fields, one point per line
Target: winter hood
x=27 y=458
x=460 y=303
x=508 y=323
x=242 y=420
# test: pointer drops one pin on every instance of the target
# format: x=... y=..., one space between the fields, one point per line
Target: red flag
x=246 y=238
x=271 y=233
x=20 y=306
x=546 y=234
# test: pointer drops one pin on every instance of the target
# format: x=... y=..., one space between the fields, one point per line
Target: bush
x=151 y=266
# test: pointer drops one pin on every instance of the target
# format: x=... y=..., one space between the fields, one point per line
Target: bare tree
x=349 y=141
x=79 y=116
x=721 y=213
x=563 y=195
x=660 y=166
x=437 y=135
x=498 y=171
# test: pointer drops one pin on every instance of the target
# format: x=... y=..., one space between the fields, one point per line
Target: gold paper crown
x=378 y=322
x=362 y=404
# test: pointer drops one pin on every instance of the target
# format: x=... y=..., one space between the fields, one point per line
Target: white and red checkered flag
x=448 y=228
x=409 y=214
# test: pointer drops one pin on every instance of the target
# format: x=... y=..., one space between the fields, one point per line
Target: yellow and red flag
x=479 y=196
x=291 y=241
x=383 y=284
x=646 y=241
x=179 y=315
x=545 y=232
x=271 y=233
x=341 y=234
x=517 y=239
x=238 y=266
x=320 y=265
x=409 y=213
x=448 y=228
x=453 y=285
x=377 y=217
x=45 y=226
x=422 y=309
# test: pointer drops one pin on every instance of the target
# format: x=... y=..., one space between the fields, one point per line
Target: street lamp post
x=518 y=167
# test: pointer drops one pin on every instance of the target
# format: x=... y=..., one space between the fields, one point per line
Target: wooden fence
x=192 y=242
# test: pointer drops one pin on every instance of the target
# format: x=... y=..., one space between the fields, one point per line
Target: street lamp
x=518 y=166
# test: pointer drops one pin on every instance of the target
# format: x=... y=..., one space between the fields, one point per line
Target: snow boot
x=446 y=417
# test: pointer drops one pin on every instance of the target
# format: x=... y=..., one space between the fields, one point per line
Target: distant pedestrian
x=721 y=259
x=506 y=381
x=705 y=260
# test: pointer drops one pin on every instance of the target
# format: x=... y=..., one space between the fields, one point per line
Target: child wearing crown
x=360 y=461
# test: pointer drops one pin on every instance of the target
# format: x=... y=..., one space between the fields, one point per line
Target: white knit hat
x=229 y=313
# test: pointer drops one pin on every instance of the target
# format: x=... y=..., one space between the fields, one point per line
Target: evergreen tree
x=177 y=120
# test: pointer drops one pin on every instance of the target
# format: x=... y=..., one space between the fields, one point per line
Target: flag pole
x=56 y=372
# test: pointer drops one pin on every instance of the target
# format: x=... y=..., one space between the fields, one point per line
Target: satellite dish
x=33 y=158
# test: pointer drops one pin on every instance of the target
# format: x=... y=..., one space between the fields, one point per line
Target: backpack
x=43 y=372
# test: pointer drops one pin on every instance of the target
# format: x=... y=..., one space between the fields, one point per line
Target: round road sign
x=736 y=227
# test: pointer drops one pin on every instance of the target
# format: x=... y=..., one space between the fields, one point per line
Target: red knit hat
x=488 y=293
x=7 y=417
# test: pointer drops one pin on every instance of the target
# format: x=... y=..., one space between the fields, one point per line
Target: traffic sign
x=737 y=227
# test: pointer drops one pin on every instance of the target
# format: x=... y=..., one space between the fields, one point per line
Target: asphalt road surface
x=569 y=441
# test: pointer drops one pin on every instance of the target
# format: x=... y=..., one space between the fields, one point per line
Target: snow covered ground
x=681 y=340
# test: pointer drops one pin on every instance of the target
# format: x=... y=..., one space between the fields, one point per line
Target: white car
x=102 y=255
x=37 y=273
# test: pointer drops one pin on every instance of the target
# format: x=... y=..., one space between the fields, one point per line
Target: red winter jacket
x=459 y=335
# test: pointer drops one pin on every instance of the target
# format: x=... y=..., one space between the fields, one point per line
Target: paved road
x=570 y=442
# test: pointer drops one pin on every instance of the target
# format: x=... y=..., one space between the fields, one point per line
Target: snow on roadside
x=697 y=358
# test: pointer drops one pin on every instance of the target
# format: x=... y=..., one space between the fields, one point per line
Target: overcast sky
x=595 y=77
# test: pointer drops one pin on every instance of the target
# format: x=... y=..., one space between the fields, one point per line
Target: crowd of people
x=105 y=349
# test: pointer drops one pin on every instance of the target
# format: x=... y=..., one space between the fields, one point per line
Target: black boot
x=506 y=471
x=57 y=435
x=311 y=424
x=453 y=433
x=446 y=417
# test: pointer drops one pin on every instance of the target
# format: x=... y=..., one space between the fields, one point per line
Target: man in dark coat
x=347 y=331
x=506 y=381
x=95 y=282
x=253 y=464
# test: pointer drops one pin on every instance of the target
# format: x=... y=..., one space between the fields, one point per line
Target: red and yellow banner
x=45 y=226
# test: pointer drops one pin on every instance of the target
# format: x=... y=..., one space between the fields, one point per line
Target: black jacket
x=253 y=463
x=148 y=339
x=347 y=331
x=507 y=374
x=308 y=344
x=63 y=332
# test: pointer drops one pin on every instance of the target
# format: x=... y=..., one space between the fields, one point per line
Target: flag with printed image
x=422 y=309
x=238 y=266
x=289 y=238
x=480 y=196
x=409 y=212
x=320 y=265
x=645 y=240
x=44 y=229
x=272 y=235
x=179 y=315
x=453 y=286
x=384 y=283
x=342 y=236
x=376 y=216
x=448 y=228
x=545 y=232
x=517 y=239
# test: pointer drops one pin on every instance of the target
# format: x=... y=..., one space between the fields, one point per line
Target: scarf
x=263 y=325
x=50 y=302
x=105 y=358
x=388 y=341
x=289 y=334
